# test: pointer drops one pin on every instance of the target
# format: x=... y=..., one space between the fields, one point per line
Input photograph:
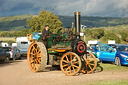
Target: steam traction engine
x=64 y=49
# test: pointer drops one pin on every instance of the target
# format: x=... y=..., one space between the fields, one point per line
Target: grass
x=111 y=82
x=112 y=67
x=7 y=38
x=108 y=67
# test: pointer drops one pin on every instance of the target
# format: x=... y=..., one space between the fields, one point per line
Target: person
x=45 y=35
x=45 y=32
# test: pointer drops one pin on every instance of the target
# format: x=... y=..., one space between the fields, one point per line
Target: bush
x=111 y=36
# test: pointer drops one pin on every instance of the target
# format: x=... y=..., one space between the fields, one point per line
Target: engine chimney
x=77 y=24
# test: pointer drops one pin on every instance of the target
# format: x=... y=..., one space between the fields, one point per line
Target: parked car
x=91 y=49
x=23 y=44
x=117 y=53
x=14 y=52
x=4 y=56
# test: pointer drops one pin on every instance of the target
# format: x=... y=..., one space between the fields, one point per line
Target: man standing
x=45 y=32
x=45 y=35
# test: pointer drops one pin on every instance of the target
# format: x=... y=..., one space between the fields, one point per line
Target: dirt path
x=18 y=73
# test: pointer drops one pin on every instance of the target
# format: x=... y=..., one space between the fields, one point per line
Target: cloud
x=113 y=8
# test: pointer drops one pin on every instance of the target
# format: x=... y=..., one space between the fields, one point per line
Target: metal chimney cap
x=77 y=13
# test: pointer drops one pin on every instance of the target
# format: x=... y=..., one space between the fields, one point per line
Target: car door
x=106 y=53
x=2 y=54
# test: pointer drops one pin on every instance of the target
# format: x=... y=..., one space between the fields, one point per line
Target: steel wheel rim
x=70 y=63
x=89 y=64
x=34 y=57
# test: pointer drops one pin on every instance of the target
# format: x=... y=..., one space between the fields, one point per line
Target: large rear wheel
x=37 y=56
x=70 y=63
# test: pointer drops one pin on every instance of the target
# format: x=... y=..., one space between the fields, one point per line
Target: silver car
x=14 y=52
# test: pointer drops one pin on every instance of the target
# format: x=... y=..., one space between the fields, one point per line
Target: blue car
x=117 y=53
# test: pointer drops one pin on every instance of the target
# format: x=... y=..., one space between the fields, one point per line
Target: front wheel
x=70 y=63
x=117 y=61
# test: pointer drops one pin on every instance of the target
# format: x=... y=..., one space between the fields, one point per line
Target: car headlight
x=124 y=56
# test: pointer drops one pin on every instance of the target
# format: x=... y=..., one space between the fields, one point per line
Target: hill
x=16 y=23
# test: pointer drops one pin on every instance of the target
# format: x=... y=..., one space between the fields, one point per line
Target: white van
x=23 y=44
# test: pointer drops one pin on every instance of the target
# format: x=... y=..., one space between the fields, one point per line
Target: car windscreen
x=123 y=48
x=7 y=48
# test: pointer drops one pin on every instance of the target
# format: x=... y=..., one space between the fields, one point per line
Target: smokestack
x=77 y=24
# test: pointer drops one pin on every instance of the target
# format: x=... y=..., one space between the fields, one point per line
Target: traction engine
x=65 y=50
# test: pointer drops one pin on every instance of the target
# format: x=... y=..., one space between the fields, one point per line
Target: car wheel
x=6 y=60
x=14 y=58
x=117 y=61
x=19 y=58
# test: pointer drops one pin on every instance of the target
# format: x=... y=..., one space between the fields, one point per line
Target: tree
x=37 y=23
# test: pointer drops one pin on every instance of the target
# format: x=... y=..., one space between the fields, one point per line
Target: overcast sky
x=112 y=8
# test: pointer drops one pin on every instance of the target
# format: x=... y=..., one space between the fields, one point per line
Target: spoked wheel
x=70 y=63
x=37 y=56
x=89 y=63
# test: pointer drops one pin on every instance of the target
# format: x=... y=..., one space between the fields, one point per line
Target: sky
x=103 y=8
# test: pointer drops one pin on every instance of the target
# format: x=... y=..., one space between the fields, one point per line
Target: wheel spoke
x=67 y=58
x=32 y=53
x=39 y=60
x=92 y=60
x=67 y=69
x=39 y=55
x=32 y=61
x=88 y=57
x=75 y=66
x=70 y=57
x=65 y=61
x=75 y=62
x=91 y=64
x=70 y=70
x=74 y=58
x=65 y=65
x=90 y=67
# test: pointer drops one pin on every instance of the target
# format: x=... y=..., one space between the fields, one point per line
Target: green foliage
x=22 y=33
x=37 y=23
x=14 y=23
x=124 y=35
x=14 y=18
x=111 y=36
x=95 y=33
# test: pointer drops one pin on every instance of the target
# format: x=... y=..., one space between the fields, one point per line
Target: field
x=7 y=39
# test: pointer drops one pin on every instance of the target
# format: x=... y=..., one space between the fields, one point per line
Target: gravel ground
x=18 y=73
